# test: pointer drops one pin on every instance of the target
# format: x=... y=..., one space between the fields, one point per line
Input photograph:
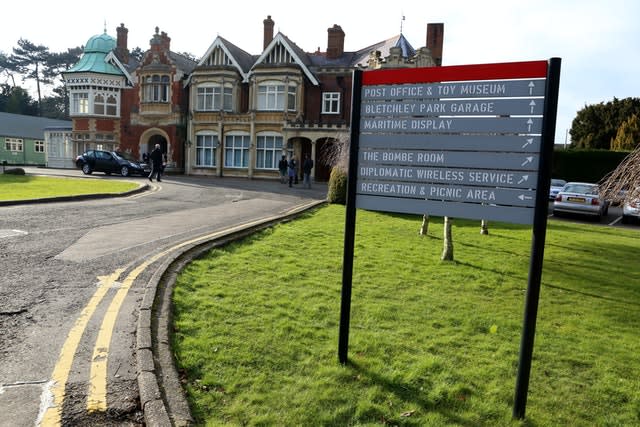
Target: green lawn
x=24 y=187
x=432 y=343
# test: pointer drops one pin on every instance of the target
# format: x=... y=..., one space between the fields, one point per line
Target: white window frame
x=80 y=103
x=214 y=97
x=272 y=96
x=105 y=104
x=14 y=144
x=269 y=147
x=206 y=143
x=155 y=88
x=38 y=146
x=236 y=150
x=330 y=102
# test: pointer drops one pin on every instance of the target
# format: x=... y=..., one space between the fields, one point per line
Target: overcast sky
x=598 y=41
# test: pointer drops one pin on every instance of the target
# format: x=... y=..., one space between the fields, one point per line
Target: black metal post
x=538 y=239
x=350 y=221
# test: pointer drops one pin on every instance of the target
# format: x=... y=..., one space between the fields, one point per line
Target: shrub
x=337 y=186
x=15 y=171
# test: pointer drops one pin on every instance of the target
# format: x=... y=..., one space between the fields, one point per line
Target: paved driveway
x=73 y=277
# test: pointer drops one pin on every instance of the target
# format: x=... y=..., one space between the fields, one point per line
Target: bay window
x=276 y=96
x=214 y=98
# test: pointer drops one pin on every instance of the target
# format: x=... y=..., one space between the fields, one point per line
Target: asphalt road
x=72 y=278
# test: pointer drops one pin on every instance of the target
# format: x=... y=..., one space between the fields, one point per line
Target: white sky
x=598 y=41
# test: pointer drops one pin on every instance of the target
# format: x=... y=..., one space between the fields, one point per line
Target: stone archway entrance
x=157 y=139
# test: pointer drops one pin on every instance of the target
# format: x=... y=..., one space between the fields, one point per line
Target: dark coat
x=156 y=157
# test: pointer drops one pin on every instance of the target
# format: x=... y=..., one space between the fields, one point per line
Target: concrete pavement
x=161 y=395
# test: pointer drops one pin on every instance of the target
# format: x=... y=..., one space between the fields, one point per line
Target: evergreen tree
x=628 y=135
x=17 y=100
x=596 y=126
x=30 y=61
x=6 y=71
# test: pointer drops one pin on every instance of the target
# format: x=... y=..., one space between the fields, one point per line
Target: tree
x=623 y=183
x=30 y=61
x=16 y=100
x=447 y=250
x=57 y=105
x=596 y=126
x=6 y=71
x=628 y=135
x=136 y=53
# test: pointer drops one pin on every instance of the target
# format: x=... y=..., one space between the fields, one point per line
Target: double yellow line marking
x=97 y=397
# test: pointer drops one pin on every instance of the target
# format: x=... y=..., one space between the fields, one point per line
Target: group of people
x=288 y=169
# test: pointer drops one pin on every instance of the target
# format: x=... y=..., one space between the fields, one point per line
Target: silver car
x=556 y=186
x=580 y=198
x=631 y=210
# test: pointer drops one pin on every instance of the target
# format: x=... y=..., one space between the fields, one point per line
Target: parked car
x=631 y=209
x=110 y=162
x=556 y=186
x=580 y=198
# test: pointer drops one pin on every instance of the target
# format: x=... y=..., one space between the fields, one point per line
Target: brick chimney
x=160 y=41
x=268 y=31
x=122 y=52
x=435 y=39
x=166 y=41
x=335 y=42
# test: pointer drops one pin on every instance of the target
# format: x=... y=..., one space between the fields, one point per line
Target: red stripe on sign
x=505 y=70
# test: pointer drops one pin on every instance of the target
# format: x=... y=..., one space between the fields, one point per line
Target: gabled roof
x=231 y=55
x=297 y=55
x=31 y=127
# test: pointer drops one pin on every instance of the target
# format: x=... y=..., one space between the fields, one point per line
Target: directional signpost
x=472 y=141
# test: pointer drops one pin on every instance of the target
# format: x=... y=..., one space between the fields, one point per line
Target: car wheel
x=86 y=169
x=124 y=171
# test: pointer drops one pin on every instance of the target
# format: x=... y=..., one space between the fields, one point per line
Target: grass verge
x=432 y=343
x=25 y=187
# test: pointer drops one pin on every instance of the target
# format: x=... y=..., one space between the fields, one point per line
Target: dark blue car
x=110 y=162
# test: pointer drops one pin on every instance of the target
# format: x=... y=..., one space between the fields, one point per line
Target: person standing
x=307 y=165
x=292 y=170
x=156 y=163
x=283 y=166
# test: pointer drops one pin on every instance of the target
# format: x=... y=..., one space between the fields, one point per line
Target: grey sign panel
x=511 y=143
x=461 y=159
x=450 y=193
x=468 y=107
x=463 y=89
x=513 y=125
x=512 y=214
x=500 y=178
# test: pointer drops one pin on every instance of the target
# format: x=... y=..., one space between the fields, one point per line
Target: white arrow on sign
x=529 y=142
x=523 y=197
x=532 y=104
x=527 y=161
x=532 y=85
x=524 y=178
x=529 y=124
